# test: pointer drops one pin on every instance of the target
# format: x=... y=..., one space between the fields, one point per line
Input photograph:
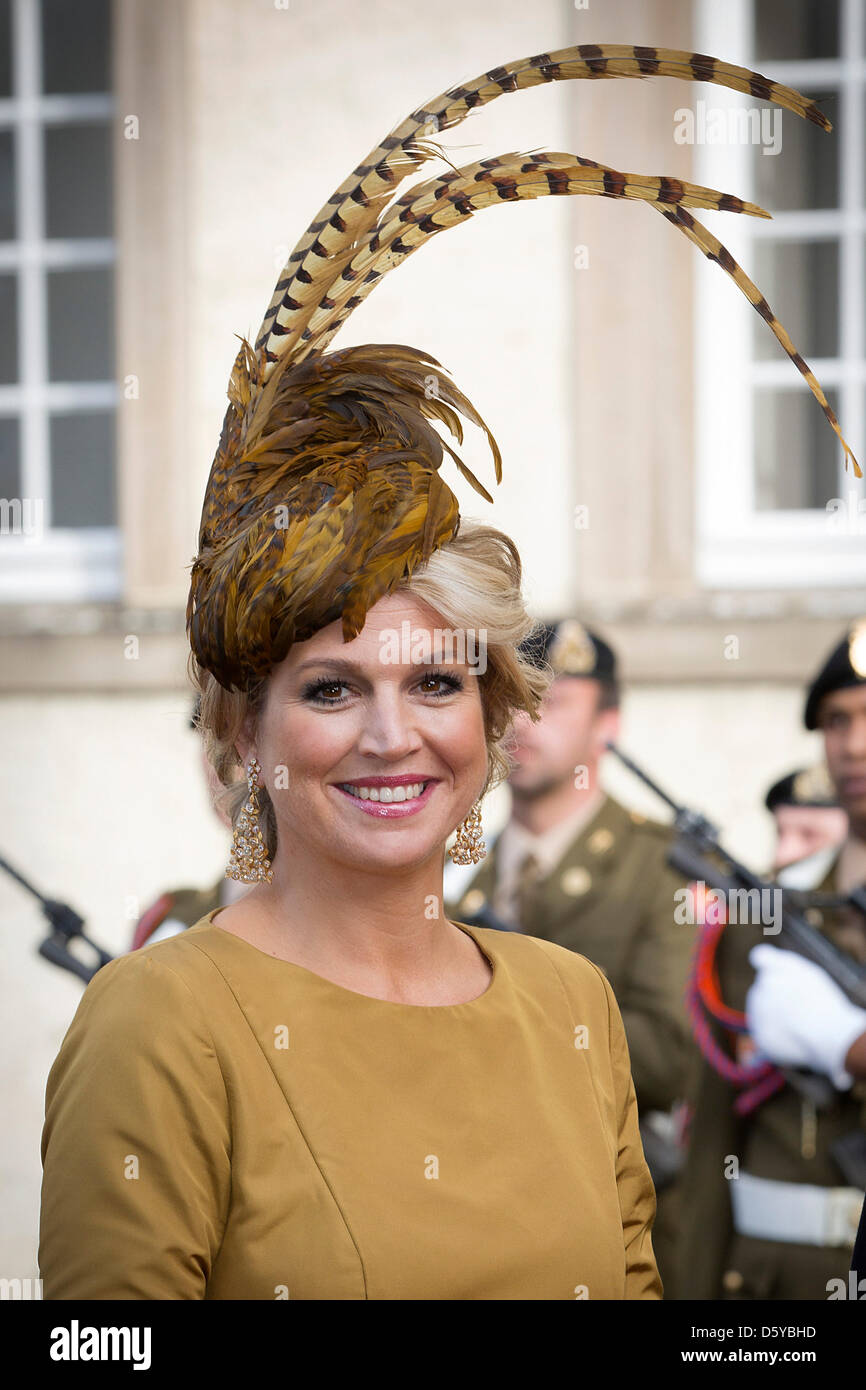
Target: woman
x=327 y=1090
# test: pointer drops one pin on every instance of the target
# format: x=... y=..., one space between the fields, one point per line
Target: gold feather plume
x=325 y=491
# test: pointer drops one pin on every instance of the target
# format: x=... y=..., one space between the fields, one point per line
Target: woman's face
x=342 y=720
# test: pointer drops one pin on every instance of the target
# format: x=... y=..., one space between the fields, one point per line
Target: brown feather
x=326 y=490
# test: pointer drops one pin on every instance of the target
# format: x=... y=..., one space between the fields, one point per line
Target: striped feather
x=355 y=206
x=452 y=198
x=713 y=249
x=345 y=443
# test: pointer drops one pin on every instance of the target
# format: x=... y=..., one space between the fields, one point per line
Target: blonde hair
x=474 y=582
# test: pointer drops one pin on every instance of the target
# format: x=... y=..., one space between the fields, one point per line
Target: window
x=776 y=507
x=58 y=394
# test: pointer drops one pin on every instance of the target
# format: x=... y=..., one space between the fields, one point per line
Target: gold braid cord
x=325 y=492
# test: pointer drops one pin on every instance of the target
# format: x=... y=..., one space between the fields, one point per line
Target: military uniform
x=611 y=898
x=785 y=1140
x=761 y=1239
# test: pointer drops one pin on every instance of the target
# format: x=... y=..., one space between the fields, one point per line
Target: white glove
x=799 y=1017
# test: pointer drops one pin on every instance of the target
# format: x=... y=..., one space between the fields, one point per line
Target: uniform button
x=473 y=901
x=576 y=881
x=732 y=1281
x=814 y=917
x=637 y=818
x=600 y=841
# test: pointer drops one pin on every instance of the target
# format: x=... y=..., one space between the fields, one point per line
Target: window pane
x=791 y=29
x=78 y=180
x=796 y=451
x=80 y=336
x=800 y=281
x=7 y=186
x=9 y=469
x=82 y=469
x=5 y=48
x=8 y=329
x=804 y=173
x=76 y=44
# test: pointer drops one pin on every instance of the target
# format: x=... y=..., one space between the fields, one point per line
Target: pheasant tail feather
x=326 y=489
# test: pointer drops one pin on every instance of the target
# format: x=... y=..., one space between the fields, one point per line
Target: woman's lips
x=389 y=810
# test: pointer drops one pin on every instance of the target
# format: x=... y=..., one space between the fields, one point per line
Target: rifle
x=697 y=853
x=66 y=925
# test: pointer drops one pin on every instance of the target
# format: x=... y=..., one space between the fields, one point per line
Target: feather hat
x=326 y=491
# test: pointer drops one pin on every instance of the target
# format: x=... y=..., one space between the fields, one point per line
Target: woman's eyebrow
x=333 y=663
x=338 y=663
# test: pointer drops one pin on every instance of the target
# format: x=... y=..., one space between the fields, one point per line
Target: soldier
x=771 y=1199
x=574 y=866
x=809 y=820
x=174 y=911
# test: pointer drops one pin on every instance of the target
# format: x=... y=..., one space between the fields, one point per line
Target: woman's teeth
x=405 y=793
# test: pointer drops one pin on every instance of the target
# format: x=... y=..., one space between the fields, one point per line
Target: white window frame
x=68 y=564
x=736 y=545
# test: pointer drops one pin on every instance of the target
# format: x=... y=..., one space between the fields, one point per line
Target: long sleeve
x=136 y=1146
x=637 y=1198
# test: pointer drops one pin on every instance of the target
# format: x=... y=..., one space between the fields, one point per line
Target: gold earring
x=469 y=847
x=248 y=861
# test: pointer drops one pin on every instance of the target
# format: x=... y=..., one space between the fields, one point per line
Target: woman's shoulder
x=173 y=972
x=532 y=956
x=186 y=949
x=147 y=1013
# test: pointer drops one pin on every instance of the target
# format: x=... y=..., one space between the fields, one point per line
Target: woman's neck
x=376 y=925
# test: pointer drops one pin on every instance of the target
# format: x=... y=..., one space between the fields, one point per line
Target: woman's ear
x=245 y=742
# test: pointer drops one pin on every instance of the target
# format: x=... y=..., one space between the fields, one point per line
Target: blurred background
x=667 y=476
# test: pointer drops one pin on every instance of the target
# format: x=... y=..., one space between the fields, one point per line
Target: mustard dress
x=222 y=1124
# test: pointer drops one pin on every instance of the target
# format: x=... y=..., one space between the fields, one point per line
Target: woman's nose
x=390 y=727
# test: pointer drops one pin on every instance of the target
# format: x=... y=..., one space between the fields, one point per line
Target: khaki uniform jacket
x=223 y=1124
x=611 y=897
x=784 y=1139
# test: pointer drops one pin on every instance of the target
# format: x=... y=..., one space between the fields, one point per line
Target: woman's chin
x=402 y=851
x=376 y=849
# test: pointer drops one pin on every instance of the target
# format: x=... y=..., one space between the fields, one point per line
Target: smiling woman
x=473 y=583
x=328 y=1090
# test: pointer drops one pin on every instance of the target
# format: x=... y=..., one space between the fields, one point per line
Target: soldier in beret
x=772 y=1200
x=810 y=823
x=575 y=867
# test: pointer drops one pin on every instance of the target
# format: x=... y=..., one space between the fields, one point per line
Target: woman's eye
x=325 y=692
x=442 y=679
x=328 y=692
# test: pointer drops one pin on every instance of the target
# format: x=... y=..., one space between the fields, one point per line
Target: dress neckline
x=323 y=980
